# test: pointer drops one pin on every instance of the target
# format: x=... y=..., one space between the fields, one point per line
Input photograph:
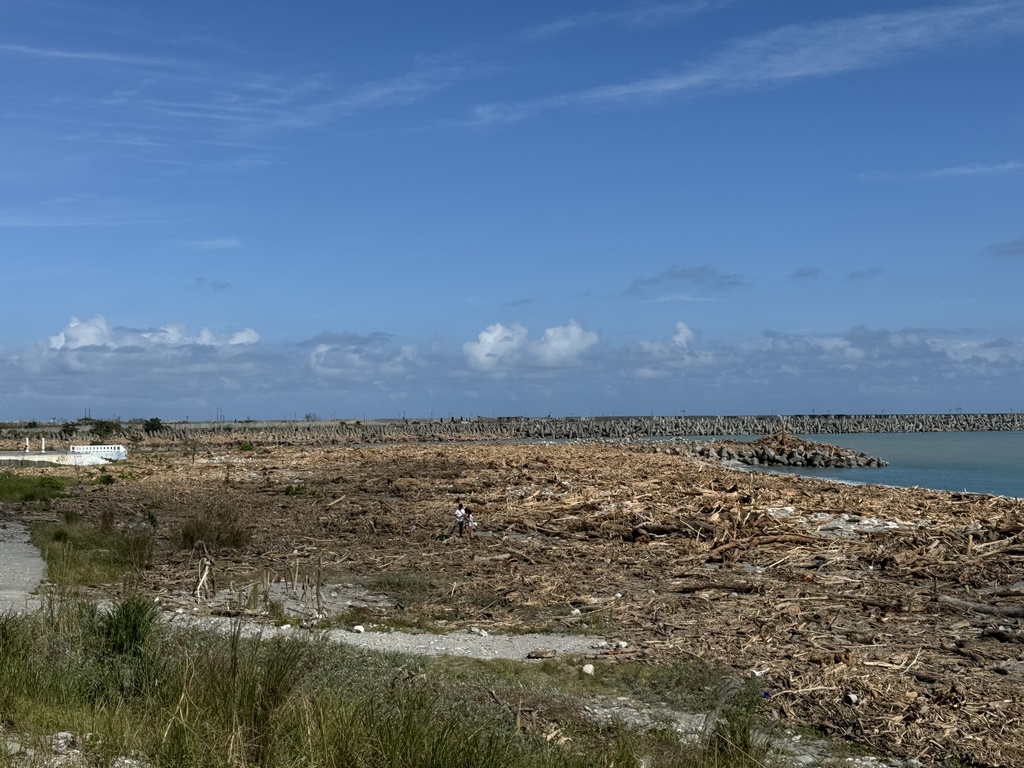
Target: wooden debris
x=906 y=598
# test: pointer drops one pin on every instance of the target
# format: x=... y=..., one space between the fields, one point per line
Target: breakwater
x=784 y=450
x=333 y=432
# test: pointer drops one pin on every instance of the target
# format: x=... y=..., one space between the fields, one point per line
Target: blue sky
x=269 y=209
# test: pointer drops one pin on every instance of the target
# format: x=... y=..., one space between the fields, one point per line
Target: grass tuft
x=217 y=529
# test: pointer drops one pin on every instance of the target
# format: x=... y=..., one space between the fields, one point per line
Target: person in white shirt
x=460 y=519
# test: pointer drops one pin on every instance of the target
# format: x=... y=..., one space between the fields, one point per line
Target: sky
x=276 y=210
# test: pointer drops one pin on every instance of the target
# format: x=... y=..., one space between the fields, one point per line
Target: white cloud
x=975 y=169
x=500 y=349
x=101 y=57
x=248 y=336
x=683 y=336
x=677 y=348
x=795 y=52
x=563 y=344
x=966 y=170
x=643 y=15
x=371 y=358
x=171 y=372
x=97 y=332
x=90 y=333
x=495 y=346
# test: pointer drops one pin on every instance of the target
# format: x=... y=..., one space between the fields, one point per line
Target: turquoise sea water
x=978 y=462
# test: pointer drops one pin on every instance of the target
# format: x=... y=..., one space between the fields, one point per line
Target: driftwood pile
x=890 y=616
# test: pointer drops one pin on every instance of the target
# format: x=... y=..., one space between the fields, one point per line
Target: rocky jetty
x=785 y=450
x=139 y=434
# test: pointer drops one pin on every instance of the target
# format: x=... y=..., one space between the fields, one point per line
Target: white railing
x=113 y=452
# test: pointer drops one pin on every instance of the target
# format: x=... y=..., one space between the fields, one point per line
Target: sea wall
x=335 y=432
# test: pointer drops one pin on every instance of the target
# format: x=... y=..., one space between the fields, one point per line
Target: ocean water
x=977 y=462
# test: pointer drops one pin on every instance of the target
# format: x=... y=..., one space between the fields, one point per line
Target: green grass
x=188 y=698
x=23 y=489
x=79 y=554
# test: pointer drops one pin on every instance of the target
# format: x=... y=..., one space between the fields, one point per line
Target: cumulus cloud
x=563 y=344
x=91 y=333
x=248 y=336
x=683 y=336
x=495 y=346
x=95 y=363
x=97 y=332
x=170 y=370
x=862 y=370
x=657 y=358
x=500 y=349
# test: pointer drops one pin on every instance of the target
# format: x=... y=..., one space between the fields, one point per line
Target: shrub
x=103 y=430
x=218 y=529
x=152 y=425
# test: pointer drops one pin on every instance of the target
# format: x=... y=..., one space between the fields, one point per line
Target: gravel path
x=473 y=643
x=21 y=569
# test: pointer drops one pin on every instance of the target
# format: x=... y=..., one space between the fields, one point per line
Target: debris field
x=885 y=615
